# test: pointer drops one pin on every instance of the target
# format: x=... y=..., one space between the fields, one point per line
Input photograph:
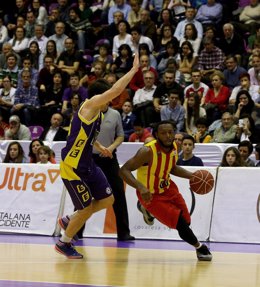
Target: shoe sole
x=69 y=257
x=204 y=259
x=63 y=227
x=146 y=219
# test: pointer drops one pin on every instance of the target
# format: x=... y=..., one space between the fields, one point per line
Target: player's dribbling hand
x=146 y=195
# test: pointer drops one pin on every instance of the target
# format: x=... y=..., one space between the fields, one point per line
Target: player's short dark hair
x=98 y=87
x=158 y=124
x=247 y=144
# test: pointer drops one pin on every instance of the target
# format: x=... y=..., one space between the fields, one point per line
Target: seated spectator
x=35 y=55
x=112 y=29
x=74 y=88
x=134 y=14
x=7 y=49
x=165 y=18
x=216 y=99
x=252 y=38
x=33 y=148
x=210 y=59
x=191 y=35
x=193 y=111
x=243 y=105
x=165 y=36
x=202 y=135
x=249 y=17
x=245 y=85
x=143 y=101
x=14 y=153
x=232 y=158
x=187 y=61
x=51 y=51
x=97 y=72
x=12 y=69
x=257 y=155
x=104 y=56
x=123 y=62
x=254 y=72
x=232 y=43
x=6 y=98
x=3 y=127
x=117 y=103
x=171 y=52
x=69 y=60
x=138 y=38
x=55 y=132
x=226 y=133
x=19 y=42
x=187 y=158
x=81 y=29
x=144 y=50
x=137 y=81
x=246 y=148
x=210 y=13
x=26 y=100
x=178 y=138
x=140 y=133
x=174 y=110
x=3 y=33
x=40 y=12
x=16 y=130
x=232 y=72
x=179 y=8
x=128 y=119
x=246 y=129
x=123 y=37
x=160 y=96
x=39 y=37
x=197 y=87
x=120 y=5
x=44 y=154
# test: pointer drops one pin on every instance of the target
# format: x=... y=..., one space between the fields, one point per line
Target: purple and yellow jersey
x=81 y=137
x=156 y=175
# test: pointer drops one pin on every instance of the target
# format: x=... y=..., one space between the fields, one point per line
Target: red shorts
x=167 y=206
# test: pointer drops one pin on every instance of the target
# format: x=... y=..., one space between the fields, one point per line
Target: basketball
x=201 y=182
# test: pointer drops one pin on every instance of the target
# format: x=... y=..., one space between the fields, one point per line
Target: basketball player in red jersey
x=154 y=162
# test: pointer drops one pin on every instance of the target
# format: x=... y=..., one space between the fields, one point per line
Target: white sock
x=72 y=215
x=65 y=238
x=199 y=246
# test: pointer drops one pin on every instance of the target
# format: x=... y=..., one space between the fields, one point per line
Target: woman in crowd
x=6 y=97
x=123 y=61
x=232 y=158
x=104 y=56
x=187 y=61
x=216 y=99
x=193 y=111
x=165 y=18
x=39 y=12
x=33 y=149
x=123 y=37
x=243 y=105
x=191 y=35
x=19 y=42
x=35 y=55
x=246 y=129
x=166 y=35
x=14 y=153
x=51 y=50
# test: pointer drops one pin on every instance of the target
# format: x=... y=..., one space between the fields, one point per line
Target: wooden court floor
x=30 y=261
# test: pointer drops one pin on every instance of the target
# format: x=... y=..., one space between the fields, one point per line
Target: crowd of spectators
x=199 y=65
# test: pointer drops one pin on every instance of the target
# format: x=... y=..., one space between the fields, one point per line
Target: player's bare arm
x=181 y=172
x=91 y=107
x=142 y=157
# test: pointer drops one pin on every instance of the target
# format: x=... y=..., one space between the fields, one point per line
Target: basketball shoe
x=67 y=250
x=148 y=218
x=203 y=253
x=63 y=223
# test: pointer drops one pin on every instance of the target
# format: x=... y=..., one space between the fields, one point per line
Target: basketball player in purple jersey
x=85 y=182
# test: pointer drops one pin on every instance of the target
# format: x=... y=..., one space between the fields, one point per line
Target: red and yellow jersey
x=156 y=175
